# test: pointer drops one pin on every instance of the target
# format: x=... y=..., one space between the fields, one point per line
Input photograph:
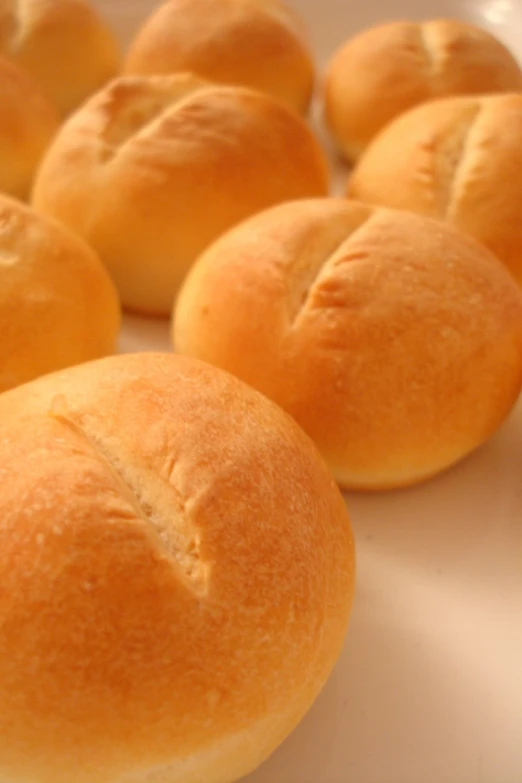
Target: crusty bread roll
x=458 y=160
x=254 y=43
x=394 y=340
x=177 y=572
x=58 y=305
x=154 y=169
x=387 y=70
x=28 y=122
x=64 y=44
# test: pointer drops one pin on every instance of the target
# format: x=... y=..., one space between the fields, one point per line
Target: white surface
x=429 y=688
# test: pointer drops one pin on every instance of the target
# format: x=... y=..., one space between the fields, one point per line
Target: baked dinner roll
x=254 y=43
x=154 y=169
x=457 y=160
x=58 y=306
x=28 y=122
x=395 y=341
x=177 y=573
x=387 y=70
x=64 y=44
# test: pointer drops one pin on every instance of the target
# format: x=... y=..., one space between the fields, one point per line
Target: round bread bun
x=389 y=69
x=177 y=573
x=153 y=169
x=64 y=44
x=458 y=162
x=28 y=122
x=58 y=306
x=394 y=340
x=253 y=43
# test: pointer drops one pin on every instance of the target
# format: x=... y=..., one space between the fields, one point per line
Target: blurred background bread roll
x=64 y=44
x=458 y=162
x=28 y=122
x=58 y=306
x=153 y=169
x=184 y=575
x=388 y=69
x=394 y=340
x=254 y=43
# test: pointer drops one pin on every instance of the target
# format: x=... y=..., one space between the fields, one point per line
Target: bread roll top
x=457 y=161
x=153 y=169
x=58 y=305
x=260 y=44
x=64 y=44
x=394 y=340
x=184 y=568
x=28 y=123
x=387 y=70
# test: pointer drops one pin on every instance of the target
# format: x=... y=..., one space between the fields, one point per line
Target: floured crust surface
x=184 y=575
x=394 y=340
x=391 y=68
x=457 y=163
x=153 y=169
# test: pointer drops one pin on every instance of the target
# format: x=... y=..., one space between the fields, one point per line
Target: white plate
x=429 y=687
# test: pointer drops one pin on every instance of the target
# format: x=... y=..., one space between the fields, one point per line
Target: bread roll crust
x=457 y=161
x=389 y=69
x=253 y=43
x=28 y=122
x=183 y=580
x=153 y=169
x=58 y=306
x=394 y=340
x=64 y=44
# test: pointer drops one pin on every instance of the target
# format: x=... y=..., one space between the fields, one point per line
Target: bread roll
x=393 y=340
x=28 y=122
x=458 y=162
x=154 y=169
x=387 y=70
x=254 y=43
x=58 y=306
x=177 y=572
x=64 y=44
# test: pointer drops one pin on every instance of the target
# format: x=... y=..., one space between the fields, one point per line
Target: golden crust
x=389 y=69
x=153 y=169
x=58 y=306
x=50 y=38
x=28 y=123
x=457 y=161
x=253 y=43
x=394 y=340
x=184 y=574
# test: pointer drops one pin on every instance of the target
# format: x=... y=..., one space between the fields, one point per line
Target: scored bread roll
x=254 y=43
x=58 y=306
x=28 y=122
x=64 y=44
x=395 y=341
x=386 y=70
x=153 y=169
x=177 y=573
x=458 y=162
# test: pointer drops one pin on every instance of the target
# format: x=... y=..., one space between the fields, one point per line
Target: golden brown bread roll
x=153 y=169
x=58 y=306
x=64 y=44
x=28 y=122
x=457 y=160
x=254 y=43
x=177 y=572
x=386 y=70
x=394 y=340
